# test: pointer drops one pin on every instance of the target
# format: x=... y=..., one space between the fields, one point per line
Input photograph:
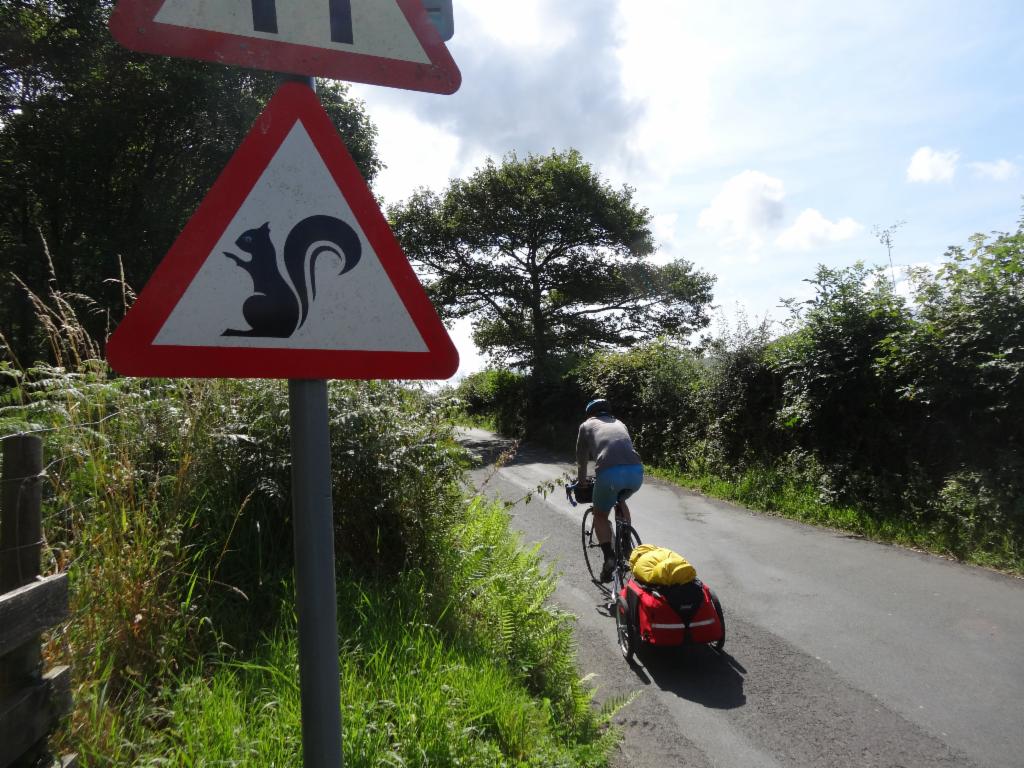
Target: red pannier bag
x=676 y=615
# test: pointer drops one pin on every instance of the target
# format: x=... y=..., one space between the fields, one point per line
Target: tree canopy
x=106 y=152
x=548 y=260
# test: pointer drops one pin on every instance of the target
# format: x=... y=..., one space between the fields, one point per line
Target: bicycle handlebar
x=570 y=491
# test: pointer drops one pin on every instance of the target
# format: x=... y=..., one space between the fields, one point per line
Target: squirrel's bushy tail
x=306 y=241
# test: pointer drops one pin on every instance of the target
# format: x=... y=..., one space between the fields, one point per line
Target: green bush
x=168 y=502
x=498 y=395
x=739 y=398
x=836 y=403
x=653 y=389
x=554 y=412
x=960 y=368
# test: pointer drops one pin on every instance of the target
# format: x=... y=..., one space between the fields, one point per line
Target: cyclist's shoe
x=606 y=570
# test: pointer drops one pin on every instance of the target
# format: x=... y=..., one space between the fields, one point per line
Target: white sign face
x=372 y=27
x=358 y=309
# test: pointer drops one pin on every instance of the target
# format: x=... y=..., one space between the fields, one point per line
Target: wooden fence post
x=21 y=539
x=21 y=520
x=21 y=535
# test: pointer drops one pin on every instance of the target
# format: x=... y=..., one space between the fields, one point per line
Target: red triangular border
x=130 y=349
x=133 y=25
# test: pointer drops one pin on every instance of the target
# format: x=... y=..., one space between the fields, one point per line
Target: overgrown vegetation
x=426 y=678
x=899 y=420
x=168 y=504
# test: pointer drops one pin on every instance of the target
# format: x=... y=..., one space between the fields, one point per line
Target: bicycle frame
x=624 y=538
x=622 y=532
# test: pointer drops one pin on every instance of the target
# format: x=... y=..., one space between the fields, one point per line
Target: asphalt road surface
x=839 y=651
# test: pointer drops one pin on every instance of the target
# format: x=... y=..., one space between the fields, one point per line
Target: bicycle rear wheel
x=591 y=549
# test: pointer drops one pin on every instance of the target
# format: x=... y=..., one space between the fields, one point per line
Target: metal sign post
x=316 y=592
x=315 y=589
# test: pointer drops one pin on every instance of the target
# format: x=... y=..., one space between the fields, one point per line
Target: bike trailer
x=674 y=615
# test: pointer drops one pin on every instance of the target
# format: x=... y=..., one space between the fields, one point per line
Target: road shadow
x=487 y=448
x=697 y=673
x=526 y=453
x=484 y=451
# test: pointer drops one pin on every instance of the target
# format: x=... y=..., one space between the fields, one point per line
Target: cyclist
x=618 y=469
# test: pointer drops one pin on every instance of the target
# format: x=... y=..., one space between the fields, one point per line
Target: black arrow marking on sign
x=264 y=15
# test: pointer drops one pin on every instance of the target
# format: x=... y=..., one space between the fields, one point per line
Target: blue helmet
x=594 y=407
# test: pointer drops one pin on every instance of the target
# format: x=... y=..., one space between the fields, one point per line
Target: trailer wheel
x=624 y=632
x=721 y=620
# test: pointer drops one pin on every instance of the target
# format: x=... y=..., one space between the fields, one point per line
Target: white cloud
x=929 y=165
x=996 y=170
x=668 y=67
x=664 y=226
x=536 y=76
x=811 y=230
x=534 y=25
x=470 y=358
x=748 y=207
x=416 y=153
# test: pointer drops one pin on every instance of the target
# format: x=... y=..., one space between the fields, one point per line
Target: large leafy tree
x=548 y=260
x=106 y=153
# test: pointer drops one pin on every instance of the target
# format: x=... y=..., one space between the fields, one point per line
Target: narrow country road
x=840 y=651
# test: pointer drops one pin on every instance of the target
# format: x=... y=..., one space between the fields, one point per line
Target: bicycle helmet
x=595 y=407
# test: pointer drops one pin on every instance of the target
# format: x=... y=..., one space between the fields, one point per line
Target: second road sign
x=378 y=42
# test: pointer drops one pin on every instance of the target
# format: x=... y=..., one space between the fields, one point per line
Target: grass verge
x=474 y=670
x=768 y=490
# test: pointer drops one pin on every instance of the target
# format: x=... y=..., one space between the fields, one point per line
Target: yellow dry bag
x=661 y=566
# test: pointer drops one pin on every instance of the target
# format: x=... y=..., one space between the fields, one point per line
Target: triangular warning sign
x=379 y=42
x=287 y=269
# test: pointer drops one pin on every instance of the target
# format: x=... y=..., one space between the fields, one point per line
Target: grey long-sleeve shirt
x=606 y=440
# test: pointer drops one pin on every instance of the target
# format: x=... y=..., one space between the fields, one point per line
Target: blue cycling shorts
x=611 y=481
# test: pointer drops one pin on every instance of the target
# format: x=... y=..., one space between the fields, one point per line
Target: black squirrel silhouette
x=275 y=310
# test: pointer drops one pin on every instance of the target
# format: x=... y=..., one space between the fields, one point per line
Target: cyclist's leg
x=604 y=500
x=602 y=527
x=606 y=493
x=603 y=531
x=623 y=524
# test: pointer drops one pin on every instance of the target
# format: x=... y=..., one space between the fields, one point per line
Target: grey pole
x=316 y=594
x=315 y=587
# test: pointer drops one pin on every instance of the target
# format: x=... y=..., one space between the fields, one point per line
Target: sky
x=765 y=138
